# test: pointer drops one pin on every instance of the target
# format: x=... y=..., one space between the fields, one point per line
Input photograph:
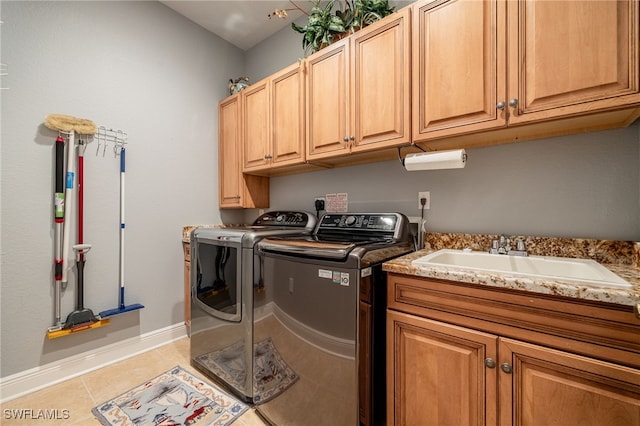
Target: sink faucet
x=503 y=246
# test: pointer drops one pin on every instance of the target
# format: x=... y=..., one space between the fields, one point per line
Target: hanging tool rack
x=106 y=137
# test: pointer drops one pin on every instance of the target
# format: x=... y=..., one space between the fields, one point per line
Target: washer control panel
x=361 y=221
x=286 y=218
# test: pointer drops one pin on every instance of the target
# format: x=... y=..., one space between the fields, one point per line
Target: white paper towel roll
x=455 y=159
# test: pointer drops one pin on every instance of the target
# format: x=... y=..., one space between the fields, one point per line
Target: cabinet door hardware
x=506 y=367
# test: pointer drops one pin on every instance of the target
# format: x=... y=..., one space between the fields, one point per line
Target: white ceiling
x=243 y=23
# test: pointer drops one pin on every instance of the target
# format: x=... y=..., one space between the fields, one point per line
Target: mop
x=122 y=308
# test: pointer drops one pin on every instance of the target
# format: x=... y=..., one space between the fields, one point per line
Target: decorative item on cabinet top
x=238 y=84
x=325 y=27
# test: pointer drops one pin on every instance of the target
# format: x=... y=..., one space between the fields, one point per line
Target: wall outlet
x=427 y=196
x=319 y=203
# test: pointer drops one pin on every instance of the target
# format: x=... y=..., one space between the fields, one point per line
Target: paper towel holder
x=434 y=160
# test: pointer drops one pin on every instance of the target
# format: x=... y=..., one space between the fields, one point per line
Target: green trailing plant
x=322 y=27
x=326 y=26
x=366 y=12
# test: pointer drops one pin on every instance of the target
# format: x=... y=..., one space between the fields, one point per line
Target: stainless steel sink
x=581 y=271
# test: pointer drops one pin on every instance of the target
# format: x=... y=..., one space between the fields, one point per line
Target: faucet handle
x=520 y=249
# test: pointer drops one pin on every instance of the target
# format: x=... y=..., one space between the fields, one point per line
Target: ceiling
x=245 y=23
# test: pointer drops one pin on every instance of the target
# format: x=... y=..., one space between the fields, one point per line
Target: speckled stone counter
x=621 y=257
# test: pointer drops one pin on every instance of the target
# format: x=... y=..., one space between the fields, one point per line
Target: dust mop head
x=67 y=123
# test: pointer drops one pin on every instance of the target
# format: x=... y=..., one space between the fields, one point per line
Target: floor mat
x=175 y=397
x=272 y=374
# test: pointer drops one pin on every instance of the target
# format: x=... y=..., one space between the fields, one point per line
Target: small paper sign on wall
x=337 y=203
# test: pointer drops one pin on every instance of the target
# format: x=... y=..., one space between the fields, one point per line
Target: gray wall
x=582 y=186
x=135 y=66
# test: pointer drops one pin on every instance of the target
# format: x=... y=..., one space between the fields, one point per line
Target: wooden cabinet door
x=256 y=125
x=459 y=55
x=550 y=387
x=436 y=373
x=229 y=150
x=187 y=286
x=571 y=57
x=287 y=117
x=236 y=190
x=381 y=89
x=328 y=101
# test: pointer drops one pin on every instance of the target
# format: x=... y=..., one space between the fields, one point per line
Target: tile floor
x=81 y=394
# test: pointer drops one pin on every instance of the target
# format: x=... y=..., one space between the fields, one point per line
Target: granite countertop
x=620 y=257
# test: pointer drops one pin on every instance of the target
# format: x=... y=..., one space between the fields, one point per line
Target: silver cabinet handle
x=513 y=102
x=490 y=363
x=345 y=139
x=268 y=157
x=352 y=138
x=506 y=367
x=501 y=105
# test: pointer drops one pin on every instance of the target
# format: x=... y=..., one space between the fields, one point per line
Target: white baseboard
x=28 y=381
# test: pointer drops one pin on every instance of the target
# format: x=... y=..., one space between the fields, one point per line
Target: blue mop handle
x=122 y=168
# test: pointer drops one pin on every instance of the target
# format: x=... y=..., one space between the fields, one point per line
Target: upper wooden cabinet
x=459 y=53
x=359 y=90
x=273 y=121
x=486 y=64
x=235 y=189
x=570 y=57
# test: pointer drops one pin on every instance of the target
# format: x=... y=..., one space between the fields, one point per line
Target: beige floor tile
x=108 y=382
x=64 y=403
x=69 y=403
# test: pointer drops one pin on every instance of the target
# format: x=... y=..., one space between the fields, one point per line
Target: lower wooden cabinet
x=440 y=373
x=187 y=286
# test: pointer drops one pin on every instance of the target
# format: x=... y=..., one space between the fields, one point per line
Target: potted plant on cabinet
x=360 y=13
x=321 y=28
x=325 y=27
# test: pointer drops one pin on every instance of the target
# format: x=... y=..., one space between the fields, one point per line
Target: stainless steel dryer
x=227 y=295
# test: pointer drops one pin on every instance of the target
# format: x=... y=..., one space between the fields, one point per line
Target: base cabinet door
x=436 y=373
x=442 y=374
x=186 y=247
x=540 y=386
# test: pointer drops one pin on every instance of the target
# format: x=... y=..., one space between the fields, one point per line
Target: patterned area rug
x=272 y=374
x=175 y=397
